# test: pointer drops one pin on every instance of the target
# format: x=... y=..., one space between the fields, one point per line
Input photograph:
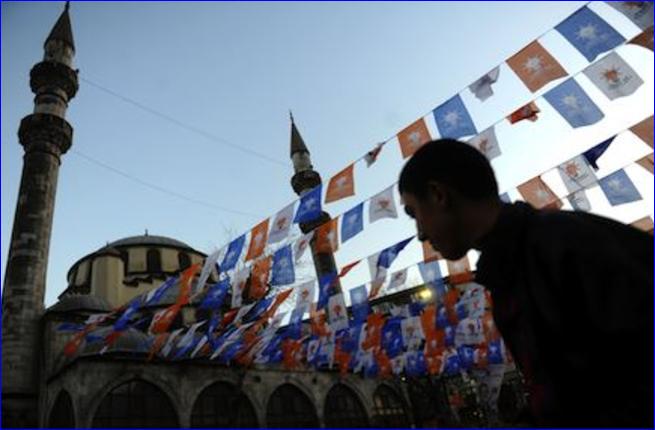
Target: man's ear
x=438 y=194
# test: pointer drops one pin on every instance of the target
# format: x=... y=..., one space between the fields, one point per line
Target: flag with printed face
x=535 y=66
x=459 y=271
x=373 y=331
x=282 y=272
x=429 y=271
x=325 y=284
x=341 y=185
x=592 y=155
x=482 y=87
x=486 y=143
x=538 y=194
x=613 y=76
x=305 y=294
x=327 y=236
x=259 y=277
x=310 y=206
x=646 y=162
x=429 y=253
x=589 y=34
x=453 y=120
x=337 y=312
x=413 y=137
x=372 y=155
x=644 y=39
x=301 y=245
x=359 y=303
x=639 y=12
x=579 y=201
x=382 y=205
x=619 y=189
x=644 y=130
x=412 y=333
x=528 y=111
x=215 y=295
x=281 y=224
x=469 y=331
x=352 y=222
x=577 y=174
x=397 y=280
x=233 y=253
x=575 y=106
x=239 y=282
x=258 y=238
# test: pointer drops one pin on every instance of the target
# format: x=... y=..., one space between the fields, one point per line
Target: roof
x=297 y=143
x=77 y=302
x=62 y=29
x=147 y=240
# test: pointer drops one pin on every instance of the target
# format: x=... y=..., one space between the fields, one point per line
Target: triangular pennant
x=538 y=194
x=341 y=185
x=413 y=137
x=589 y=34
x=535 y=66
x=453 y=120
x=593 y=154
x=613 y=76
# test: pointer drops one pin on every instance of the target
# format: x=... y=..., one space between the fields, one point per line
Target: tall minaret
x=45 y=136
x=304 y=179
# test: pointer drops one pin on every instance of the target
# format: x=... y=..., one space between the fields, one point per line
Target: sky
x=181 y=123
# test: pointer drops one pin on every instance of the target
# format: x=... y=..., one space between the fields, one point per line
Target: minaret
x=45 y=136
x=304 y=179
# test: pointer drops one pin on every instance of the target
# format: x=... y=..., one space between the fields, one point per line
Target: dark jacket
x=573 y=299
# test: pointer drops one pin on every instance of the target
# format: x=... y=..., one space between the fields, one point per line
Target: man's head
x=444 y=186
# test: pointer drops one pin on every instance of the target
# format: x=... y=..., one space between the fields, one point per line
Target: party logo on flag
x=570 y=100
x=453 y=120
x=233 y=253
x=305 y=294
x=535 y=66
x=397 y=280
x=577 y=174
x=412 y=333
x=619 y=189
x=215 y=295
x=282 y=272
x=382 y=205
x=259 y=277
x=337 y=312
x=589 y=34
x=310 y=206
x=486 y=143
x=528 y=112
x=639 y=12
x=352 y=222
x=359 y=303
x=325 y=284
x=258 y=237
x=413 y=137
x=301 y=245
x=613 y=76
x=341 y=185
x=482 y=87
x=327 y=239
x=281 y=224
x=538 y=194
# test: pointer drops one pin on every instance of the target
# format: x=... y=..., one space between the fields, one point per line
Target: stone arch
x=221 y=404
x=343 y=408
x=389 y=408
x=289 y=406
x=62 y=412
x=135 y=401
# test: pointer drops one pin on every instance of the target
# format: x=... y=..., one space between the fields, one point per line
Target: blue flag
x=462 y=311
x=259 y=308
x=231 y=350
x=504 y=197
x=449 y=332
x=294 y=328
x=465 y=354
x=388 y=255
x=452 y=365
x=325 y=283
x=215 y=295
x=214 y=320
x=589 y=33
x=438 y=287
x=349 y=338
x=273 y=351
x=352 y=222
x=124 y=320
x=154 y=296
x=619 y=189
x=442 y=317
x=453 y=120
x=570 y=100
x=310 y=206
x=282 y=272
x=429 y=271
x=359 y=303
x=415 y=365
x=233 y=253
x=494 y=353
x=68 y=326
x=415 y=308
x=592 y=155
x=392 y=337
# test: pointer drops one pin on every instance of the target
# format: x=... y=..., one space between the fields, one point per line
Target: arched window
x=221 y=405
x=388 y=409
x=135 y=404
x=184 y=260
x=288 y=407
x=343 y=409
x=61 y=414
x=154 y=260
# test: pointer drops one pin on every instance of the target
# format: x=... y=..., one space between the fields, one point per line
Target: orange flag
x=459 y=271
x=645 y=39
x=73 y=345
x=435 y=343
x=258 y=238
x=449 y=302
x=413 y=137
x=429 y=254
x=644 y=224
x=374 y=324
x=318 y=321
x=157 y=345
x=429 y=320
x=342 y=359
x=327 y=239
x=535 y=66
x=341 y=185
x=279 y=299
x=347 y=268
x=539 y=195
x=259 y=277
x=163 y=319
x=434 y=363
x=384 y=364
x=644 y=130
x=647 y=162
x=528 y=111
x=185 y=283
x=291 y=351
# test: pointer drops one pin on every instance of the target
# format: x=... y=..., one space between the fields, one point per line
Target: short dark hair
x=453 y=163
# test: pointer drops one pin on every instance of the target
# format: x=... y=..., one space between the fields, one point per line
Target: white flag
x=210 y=263
x=301 y=245
x=579 y=201
x=397 y=279
x=238 y=284
x=169 y=343
x=398 y=364
x=337 y=313
x=281 y=224
x=412 y=333
x=189 y=335
x=482 y=87
x=382 y=205
x=377 y=273
x=469 y=331
x=639 y=12
x=486 y=143
x=577 y=174
x=242 y=312
x=613 y=76
x=305 y=294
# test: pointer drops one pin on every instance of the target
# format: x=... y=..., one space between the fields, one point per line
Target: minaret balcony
x=54 y=74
